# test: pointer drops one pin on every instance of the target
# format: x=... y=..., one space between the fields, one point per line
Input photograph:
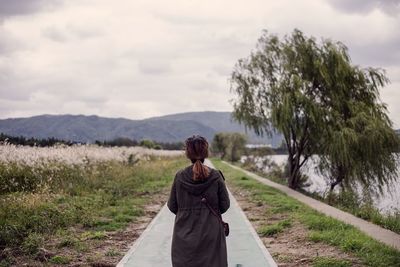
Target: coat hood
x=196 y=187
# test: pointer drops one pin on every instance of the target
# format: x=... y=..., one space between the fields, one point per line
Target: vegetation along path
x=388 y=237
x=244 y=246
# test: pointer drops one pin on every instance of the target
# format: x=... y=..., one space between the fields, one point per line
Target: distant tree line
x=281 y=150
x=120 y=141
x=231 y=146
x=21 y=140
x=124 y=141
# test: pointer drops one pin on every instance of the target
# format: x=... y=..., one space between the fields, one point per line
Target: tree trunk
x=340 y=174
x=294 y=171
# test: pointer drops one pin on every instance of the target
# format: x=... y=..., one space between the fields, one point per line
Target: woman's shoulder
x=220 y=174
x=183 y=171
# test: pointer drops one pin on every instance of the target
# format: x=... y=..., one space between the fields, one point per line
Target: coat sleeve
x=172 y=201
x=223 y=195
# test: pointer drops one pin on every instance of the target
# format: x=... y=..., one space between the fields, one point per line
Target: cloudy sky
x=138 y=59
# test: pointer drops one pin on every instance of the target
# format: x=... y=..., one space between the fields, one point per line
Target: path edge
x=259 y=242
x=139 y=240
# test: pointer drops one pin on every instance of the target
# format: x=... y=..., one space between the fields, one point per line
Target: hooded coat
x=198 y=238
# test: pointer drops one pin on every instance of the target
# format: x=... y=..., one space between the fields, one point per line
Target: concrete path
x=385 y=236
x=153 y=247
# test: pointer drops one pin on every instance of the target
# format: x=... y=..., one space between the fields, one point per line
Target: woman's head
x=196 y=148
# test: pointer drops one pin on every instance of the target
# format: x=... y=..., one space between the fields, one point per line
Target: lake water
x=388 y=202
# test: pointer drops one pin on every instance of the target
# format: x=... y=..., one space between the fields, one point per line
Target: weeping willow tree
x=276 y=90
x=359 y=140
x=321 y=103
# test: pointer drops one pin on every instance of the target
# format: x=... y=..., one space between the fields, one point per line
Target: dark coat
x=198 y=238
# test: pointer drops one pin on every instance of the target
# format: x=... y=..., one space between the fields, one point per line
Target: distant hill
x=169 y=128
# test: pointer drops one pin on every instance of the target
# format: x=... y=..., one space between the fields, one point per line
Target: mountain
x=168 y=128
x=222 y=122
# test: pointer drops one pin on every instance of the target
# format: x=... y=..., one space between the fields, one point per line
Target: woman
x=198 y=238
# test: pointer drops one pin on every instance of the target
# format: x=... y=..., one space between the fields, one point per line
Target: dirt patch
x=103 y=250
x=291 y=247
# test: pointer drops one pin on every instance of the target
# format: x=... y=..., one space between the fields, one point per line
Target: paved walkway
x=385 y=236
x=153 y=247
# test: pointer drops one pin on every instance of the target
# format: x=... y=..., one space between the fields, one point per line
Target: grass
x=346 y=201
x=274 y=175
x=330 y=262
x=112 y=253
x=60 y=260
x=273 y=229
x=322 y=228
x=94 y=235
x=100 y=198
x=350 y=202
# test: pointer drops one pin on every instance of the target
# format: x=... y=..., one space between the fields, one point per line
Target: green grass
x=32 y=243
x=346 y=201
x=330 y=262
x=273 y=229
x=60 y=260
x=322 y=228
x=98 y=198
x=112 y=253
x=94 y=235
x=68 y=241
x=274 y=175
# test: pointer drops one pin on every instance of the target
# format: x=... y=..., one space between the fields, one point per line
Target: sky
x=137 y=59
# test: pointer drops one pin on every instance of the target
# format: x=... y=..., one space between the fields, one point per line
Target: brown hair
x=196 y=148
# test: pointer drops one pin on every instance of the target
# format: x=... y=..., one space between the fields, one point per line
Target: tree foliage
x=230 y=145
x=321 y=103
x=31 y=141
x=360 y=140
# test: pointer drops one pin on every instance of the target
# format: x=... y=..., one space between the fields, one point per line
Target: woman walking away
x=198 y=238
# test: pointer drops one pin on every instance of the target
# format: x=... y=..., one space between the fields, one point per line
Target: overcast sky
x=138 y=59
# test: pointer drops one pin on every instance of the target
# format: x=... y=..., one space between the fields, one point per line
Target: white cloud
x=138 y=59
